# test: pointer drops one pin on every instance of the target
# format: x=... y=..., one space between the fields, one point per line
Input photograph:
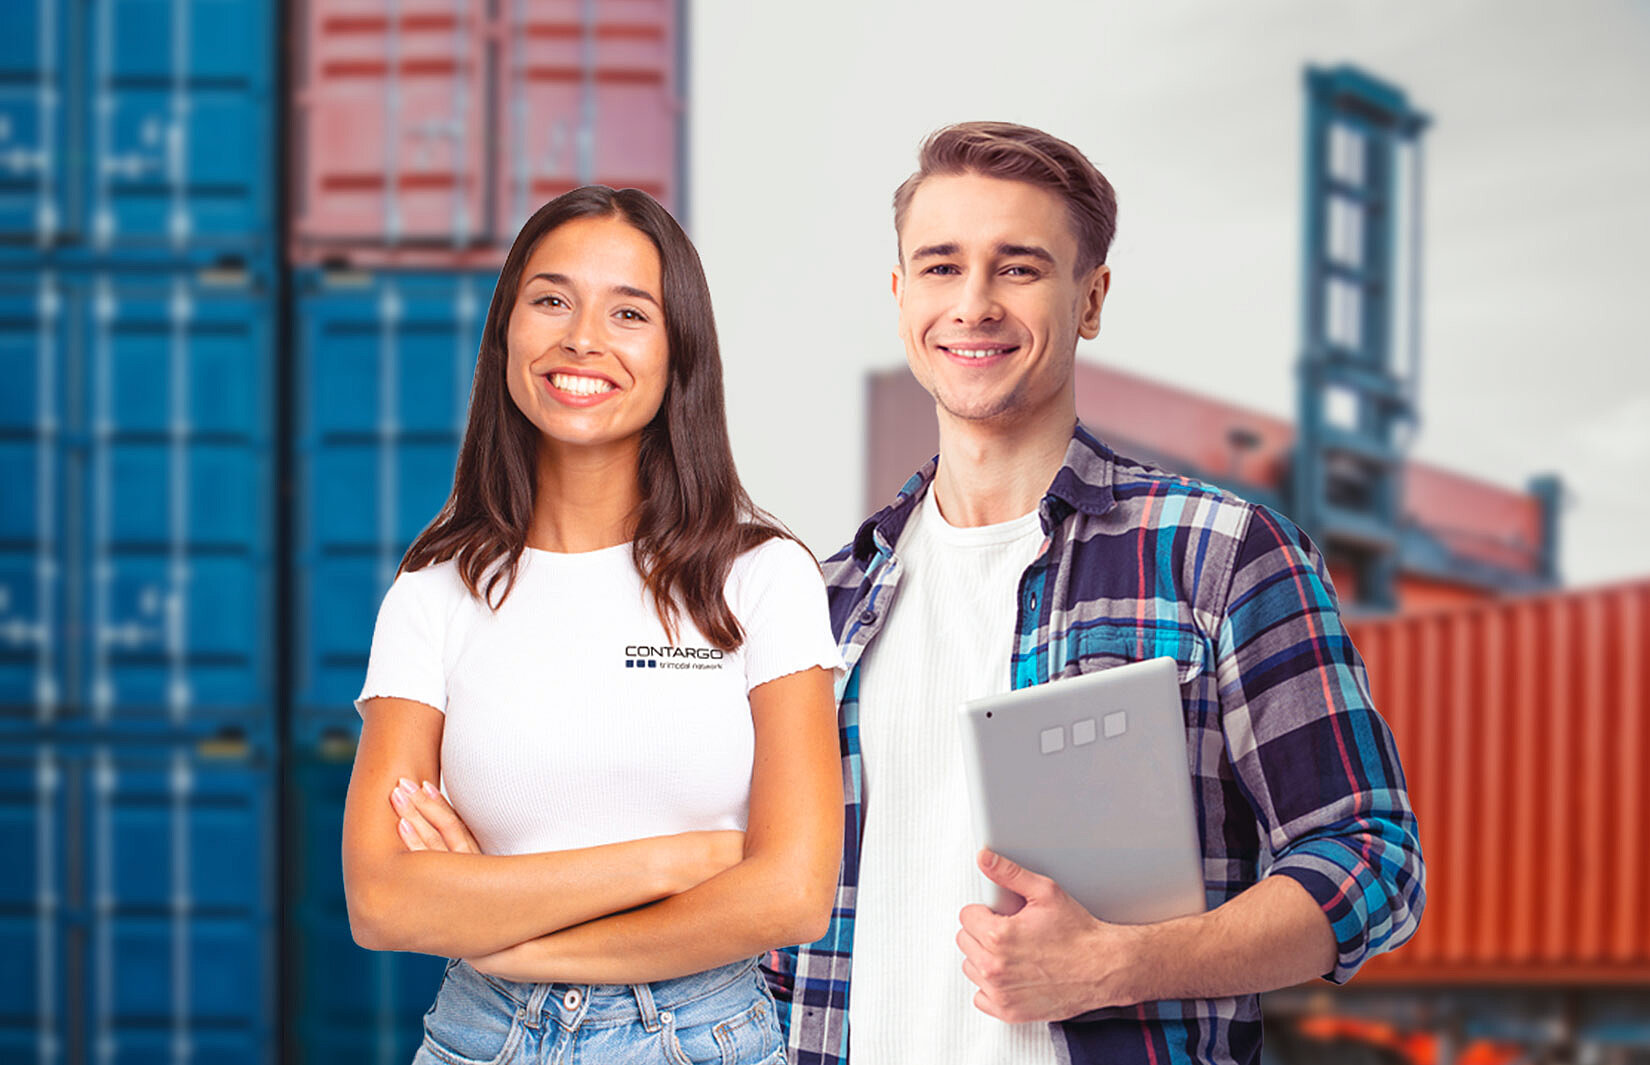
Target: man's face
x=990 y=306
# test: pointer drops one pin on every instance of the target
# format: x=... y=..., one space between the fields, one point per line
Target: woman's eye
x=550 y=301
x=632 y=315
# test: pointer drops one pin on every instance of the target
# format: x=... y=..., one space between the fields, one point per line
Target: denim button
x=666 y=1016
x=571 y=999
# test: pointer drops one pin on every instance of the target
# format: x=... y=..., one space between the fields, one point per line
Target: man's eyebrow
x=1005 y=251
x=1028 y=251
x=935 y=251
x=623 y=290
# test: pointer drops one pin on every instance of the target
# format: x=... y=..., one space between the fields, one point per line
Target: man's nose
x=977 y=301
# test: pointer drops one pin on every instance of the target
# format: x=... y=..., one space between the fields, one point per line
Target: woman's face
x=588 y=358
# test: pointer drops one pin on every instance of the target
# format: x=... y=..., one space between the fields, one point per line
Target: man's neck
x=990 y=474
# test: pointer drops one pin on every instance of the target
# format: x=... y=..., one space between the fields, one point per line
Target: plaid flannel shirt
x=1294 y=772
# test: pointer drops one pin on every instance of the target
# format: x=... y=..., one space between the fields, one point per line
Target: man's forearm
x=1270 y=936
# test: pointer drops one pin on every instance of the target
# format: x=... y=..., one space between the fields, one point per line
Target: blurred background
x=1375 y=267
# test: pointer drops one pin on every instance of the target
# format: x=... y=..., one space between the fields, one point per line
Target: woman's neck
x=587 y=499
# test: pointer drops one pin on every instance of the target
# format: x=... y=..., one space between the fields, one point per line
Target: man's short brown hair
x=1021 y=153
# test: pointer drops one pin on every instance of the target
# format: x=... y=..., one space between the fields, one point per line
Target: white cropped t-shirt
x=571 y=720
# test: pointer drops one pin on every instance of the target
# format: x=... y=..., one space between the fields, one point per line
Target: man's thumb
x=1000 y=870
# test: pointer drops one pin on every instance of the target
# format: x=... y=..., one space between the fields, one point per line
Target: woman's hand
x=428 y=822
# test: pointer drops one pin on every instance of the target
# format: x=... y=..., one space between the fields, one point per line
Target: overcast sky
x=803 y=118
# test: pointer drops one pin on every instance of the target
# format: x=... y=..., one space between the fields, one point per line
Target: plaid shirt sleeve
x=1312 y=755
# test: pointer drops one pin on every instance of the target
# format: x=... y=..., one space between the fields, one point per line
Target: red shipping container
x=585 y=102
x=1524 y=728
x=428 y=130
x=391 y=121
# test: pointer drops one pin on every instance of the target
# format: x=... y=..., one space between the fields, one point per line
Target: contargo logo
x=647 y=656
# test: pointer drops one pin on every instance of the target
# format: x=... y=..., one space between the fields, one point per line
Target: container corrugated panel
x=32 y=415
x=136 y=913
x=139 y=128
x=350 y=1005
x=384 y=369
x=589 y=95
x=33 y=56
x=135 y=579
x=1524 y=727
x=428 y=130
x=392 y=123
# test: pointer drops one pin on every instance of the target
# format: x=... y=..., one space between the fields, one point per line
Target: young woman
x=617 y=670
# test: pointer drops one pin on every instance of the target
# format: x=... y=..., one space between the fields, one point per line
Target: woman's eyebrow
x=636 y=293
x=623 y=290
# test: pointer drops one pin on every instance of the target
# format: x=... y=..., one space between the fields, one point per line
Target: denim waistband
x=585 y=1005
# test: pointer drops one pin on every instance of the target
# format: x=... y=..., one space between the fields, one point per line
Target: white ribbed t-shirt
x=947 y=639
x=571 y=720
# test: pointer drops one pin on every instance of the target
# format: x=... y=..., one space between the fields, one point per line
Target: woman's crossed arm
x=779 y=894
x=459 y=904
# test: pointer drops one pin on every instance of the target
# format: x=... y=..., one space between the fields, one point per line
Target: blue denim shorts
x=722 y=1015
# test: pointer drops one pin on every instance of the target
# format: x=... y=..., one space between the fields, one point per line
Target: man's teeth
x=977 y=353
x=580 y=386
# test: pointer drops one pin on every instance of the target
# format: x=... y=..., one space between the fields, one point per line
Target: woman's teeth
x=580 y=386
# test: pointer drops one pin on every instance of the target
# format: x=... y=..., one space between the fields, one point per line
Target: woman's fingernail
x=408 y=786
x=398 y=798
x=405 y=826
x=431 y=790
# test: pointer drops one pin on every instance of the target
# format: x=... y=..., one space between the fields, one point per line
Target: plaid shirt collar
x=1083 y=484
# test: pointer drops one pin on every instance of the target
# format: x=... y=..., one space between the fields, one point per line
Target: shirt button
x=572 y=999
x=867 y=616
x=1031 y=601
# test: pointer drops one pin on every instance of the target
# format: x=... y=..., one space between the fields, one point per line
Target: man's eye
x=1021 y=271
x=941 y=269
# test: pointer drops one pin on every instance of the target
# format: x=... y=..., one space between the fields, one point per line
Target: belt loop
x=644 y=1003
x=534 y=1009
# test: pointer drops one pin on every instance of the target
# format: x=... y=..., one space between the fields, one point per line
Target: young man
x=1027 y=551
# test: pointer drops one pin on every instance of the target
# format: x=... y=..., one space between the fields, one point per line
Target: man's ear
x=896 y=282
x=1095 y=288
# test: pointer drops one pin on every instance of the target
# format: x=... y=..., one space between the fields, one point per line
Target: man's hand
x=1050 y=960
x=428 y=823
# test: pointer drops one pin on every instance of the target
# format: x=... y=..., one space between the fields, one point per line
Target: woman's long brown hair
x=694 y=518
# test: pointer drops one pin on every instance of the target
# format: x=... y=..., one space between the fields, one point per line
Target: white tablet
x=1085 y=780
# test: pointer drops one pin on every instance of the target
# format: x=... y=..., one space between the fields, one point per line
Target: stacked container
x=423 y=134
x=138 y=296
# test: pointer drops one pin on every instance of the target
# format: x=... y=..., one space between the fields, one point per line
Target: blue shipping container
x=136 y=908
x=141 y=128
x=136 y=530
x=350 y=1005
x=384 y=363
